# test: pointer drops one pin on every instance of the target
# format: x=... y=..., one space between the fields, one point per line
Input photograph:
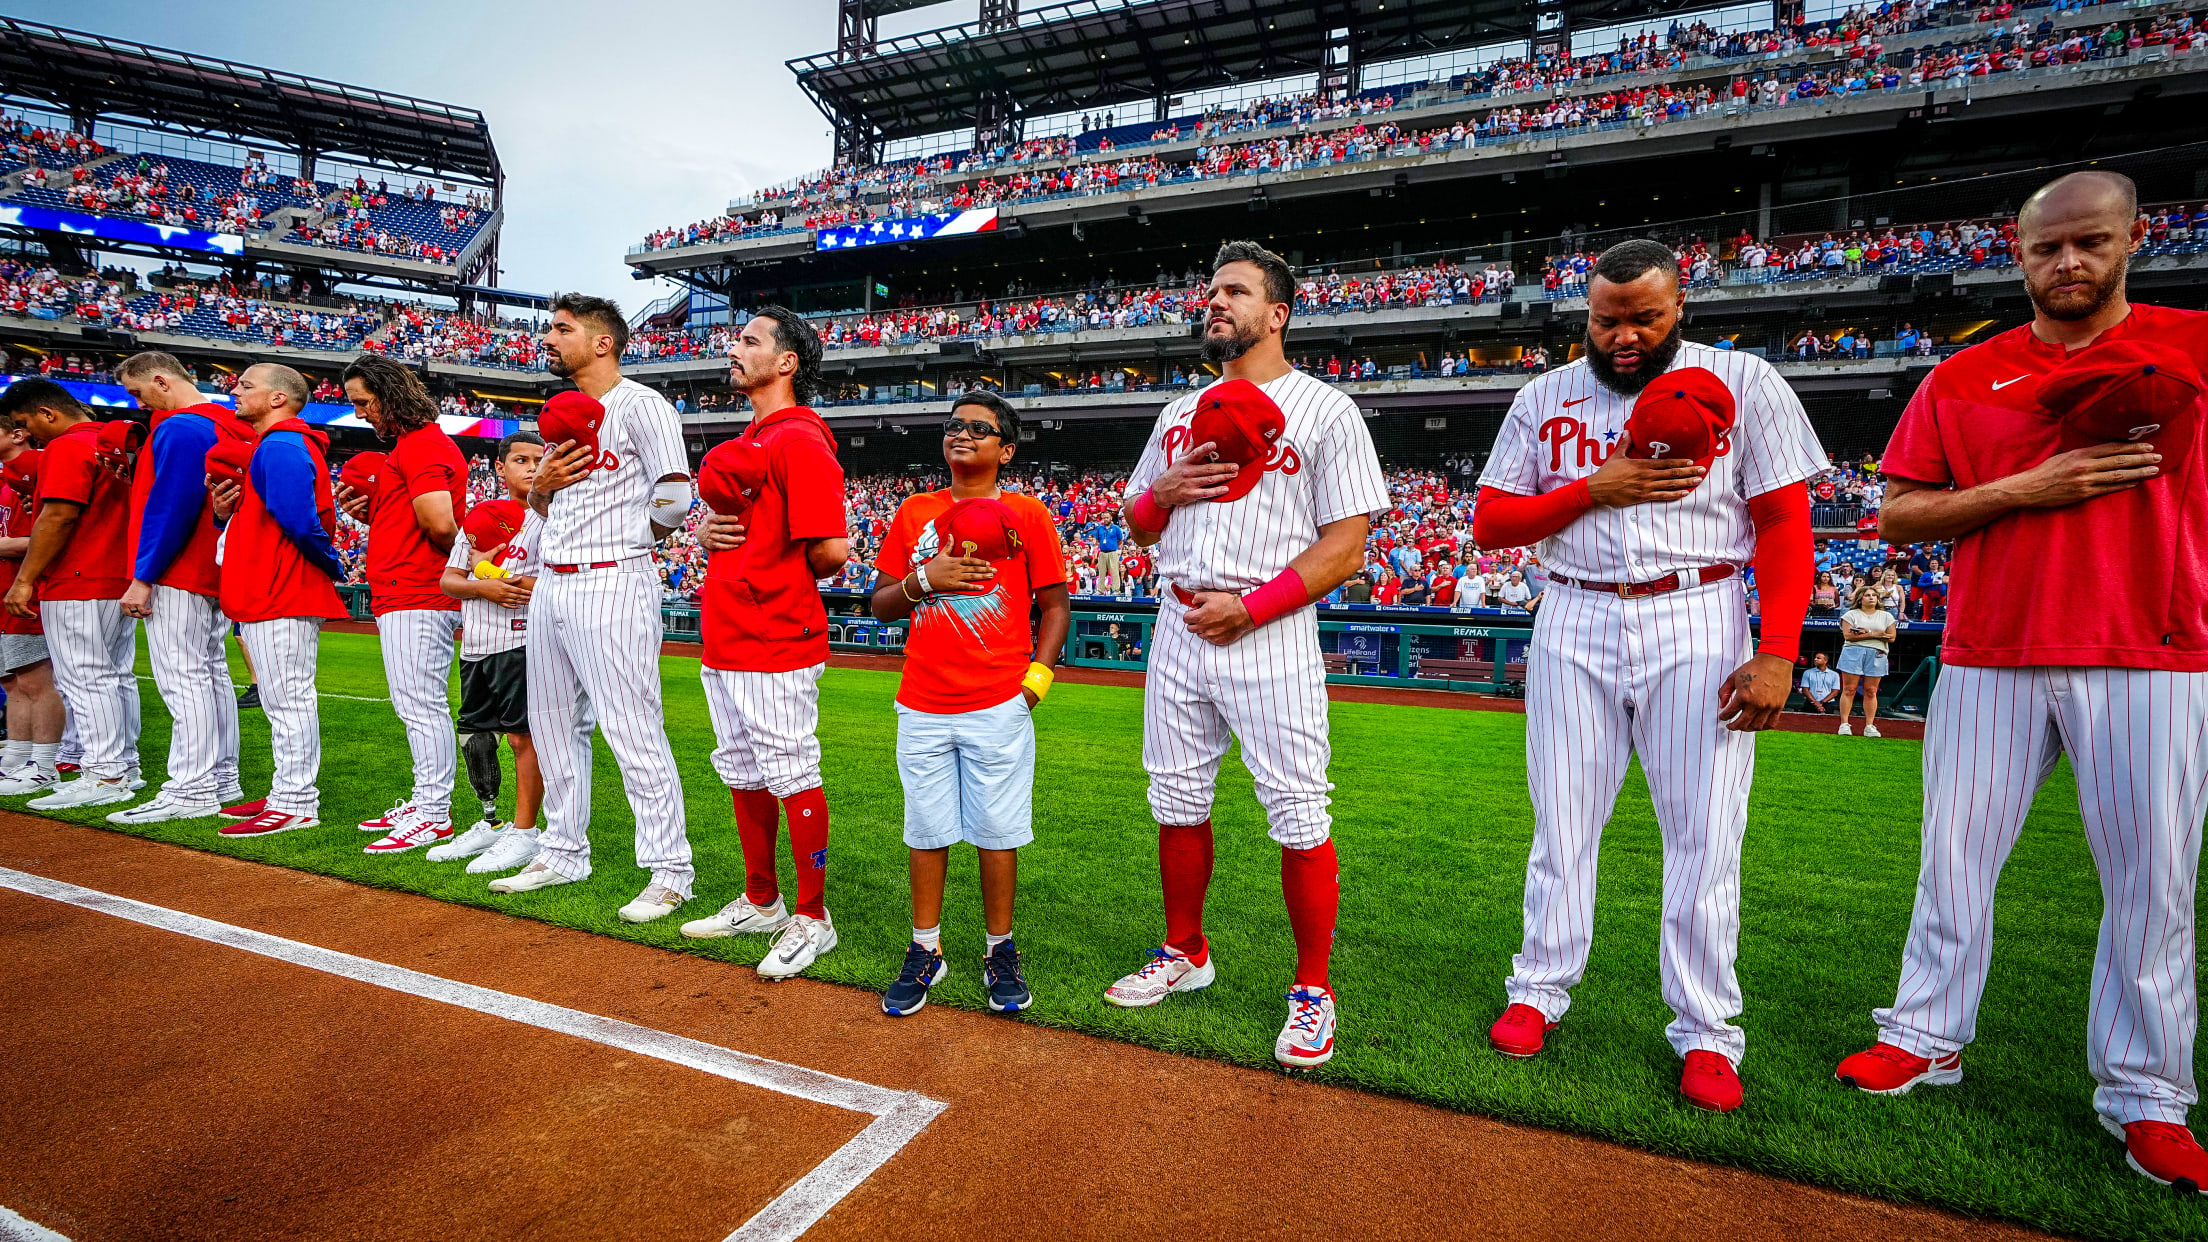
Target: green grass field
x=1433 y=825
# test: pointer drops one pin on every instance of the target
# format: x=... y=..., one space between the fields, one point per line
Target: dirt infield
x=153 y=1085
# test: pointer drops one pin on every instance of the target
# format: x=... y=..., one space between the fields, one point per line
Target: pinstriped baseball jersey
x=1322 y=469
x=1565 y=424
x=602 y=516
x=487 y=628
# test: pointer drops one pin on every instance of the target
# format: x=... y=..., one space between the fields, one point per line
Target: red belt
x=1183 y=594
x=576 y=569
x=1661 y=586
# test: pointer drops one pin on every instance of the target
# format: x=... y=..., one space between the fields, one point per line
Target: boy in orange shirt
x=968 y=564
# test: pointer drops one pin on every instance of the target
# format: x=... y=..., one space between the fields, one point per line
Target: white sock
x=15 y=755
x=929 y=937
x=995 y=939
x=43 y=754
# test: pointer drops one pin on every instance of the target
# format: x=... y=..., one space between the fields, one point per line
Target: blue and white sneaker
x=1008 y=991
x=924 y=968
x=1308 y=1039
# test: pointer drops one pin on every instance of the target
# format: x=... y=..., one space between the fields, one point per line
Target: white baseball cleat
x=268 y=822
x=413 y=829
x=83 y=791
x=27 y=780
x=389 y=819
x=657 y=901
x=515 y=847
x=1308 y=1039
x=529 y=879
x=739 y=918
x=164 y=808
x=467 y=845
x=799 y=946
x=1168 y=972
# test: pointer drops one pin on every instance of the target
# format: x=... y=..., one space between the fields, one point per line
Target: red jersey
x=403 y=565
x=16 y=515
x=762 y=605
x=968 y=652
x=193 y=568
x=2142 y=600
x=95 y=564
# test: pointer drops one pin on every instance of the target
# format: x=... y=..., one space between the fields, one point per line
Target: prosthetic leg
x=480 y=752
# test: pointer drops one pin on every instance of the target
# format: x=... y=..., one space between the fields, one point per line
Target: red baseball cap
x=21 y=473
x=121 y=437
x=979 y=527
x=571 y=415
x=1687 y=413
x=361 y=471
x=2126 y=389
x=493 y=524
x=1243 y=425
x=228 y=458
x=731 y=475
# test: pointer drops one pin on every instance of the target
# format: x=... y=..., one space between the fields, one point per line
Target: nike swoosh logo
x=1570 y=404
x=2005 y=383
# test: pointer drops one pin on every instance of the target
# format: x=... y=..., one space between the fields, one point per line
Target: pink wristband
x=1146 y=512
x=1278 y=598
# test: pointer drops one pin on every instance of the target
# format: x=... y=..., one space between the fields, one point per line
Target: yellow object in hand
x=485 y=569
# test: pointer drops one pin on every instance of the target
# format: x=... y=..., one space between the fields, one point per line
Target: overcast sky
x=611 y=118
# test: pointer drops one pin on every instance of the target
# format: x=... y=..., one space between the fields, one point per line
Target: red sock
x=1311 y=880
x=808 y=814
x=1184 y=866
x=757 y=816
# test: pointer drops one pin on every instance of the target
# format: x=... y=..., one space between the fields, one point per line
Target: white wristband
x=926 y=587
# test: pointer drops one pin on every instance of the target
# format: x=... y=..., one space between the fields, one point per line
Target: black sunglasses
x=974 y=427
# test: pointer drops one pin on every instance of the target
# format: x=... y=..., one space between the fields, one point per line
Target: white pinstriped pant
x=94 y=649
x=594 y=643
x=184 y=634
x=1606 y=679
x=285 y=651
x=418 y=645
x=1266 y=690
x=767 y=726
x=2138 y=742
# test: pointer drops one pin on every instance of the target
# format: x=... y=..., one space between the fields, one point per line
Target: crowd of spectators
x=419 y=333
x=146 y=189
x=41 y=146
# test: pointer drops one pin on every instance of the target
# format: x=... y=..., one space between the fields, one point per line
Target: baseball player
x=413 y=519
x=35 y=712
x=766 y=636
x=1258 y=493
x=492 y=570
x=272 y=498
x=175 y=585
x=1642 y=645
x=71 y=577
x=2071 y=440
x=614 y=481
x=969 y=564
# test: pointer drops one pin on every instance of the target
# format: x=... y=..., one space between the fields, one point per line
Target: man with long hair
x=420 y=495
x=605 y=497
x=766 y=638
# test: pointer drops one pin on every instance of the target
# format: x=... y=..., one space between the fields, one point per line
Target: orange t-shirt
x=968 y=651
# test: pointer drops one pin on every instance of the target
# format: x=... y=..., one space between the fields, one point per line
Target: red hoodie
x=277 y=544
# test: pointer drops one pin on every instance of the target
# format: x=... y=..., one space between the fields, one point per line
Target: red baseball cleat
x=1709 y=1081
x=245 y=810
x=1886 y=1070
x=2164 y=1152
x=67 y=768
x=1518 y=1032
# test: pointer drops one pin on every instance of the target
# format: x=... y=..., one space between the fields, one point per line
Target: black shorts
x=494 y=693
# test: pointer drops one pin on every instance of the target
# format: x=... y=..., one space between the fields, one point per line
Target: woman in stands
x=1868 y=629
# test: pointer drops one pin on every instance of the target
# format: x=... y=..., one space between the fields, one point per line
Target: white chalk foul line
x=319 y=692
x=13 y=1228
x=898 y=1115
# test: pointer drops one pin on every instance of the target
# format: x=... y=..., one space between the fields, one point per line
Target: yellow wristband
x=1038 y=679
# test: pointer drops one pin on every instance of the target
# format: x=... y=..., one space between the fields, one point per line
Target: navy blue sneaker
x=924 y=968
x=1007 y=986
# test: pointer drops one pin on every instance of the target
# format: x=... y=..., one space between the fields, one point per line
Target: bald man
x=2117 y=679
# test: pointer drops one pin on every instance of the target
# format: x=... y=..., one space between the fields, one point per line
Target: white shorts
x=968 y=776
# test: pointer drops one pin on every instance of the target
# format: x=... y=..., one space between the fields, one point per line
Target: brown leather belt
x=576 y=569
x=1670 y=582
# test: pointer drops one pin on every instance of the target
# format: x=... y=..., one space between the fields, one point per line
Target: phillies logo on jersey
x=604 y=461
x=1282 y=457
x=1564 y=432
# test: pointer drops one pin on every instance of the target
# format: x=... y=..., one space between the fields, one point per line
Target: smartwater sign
x=111 y=228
